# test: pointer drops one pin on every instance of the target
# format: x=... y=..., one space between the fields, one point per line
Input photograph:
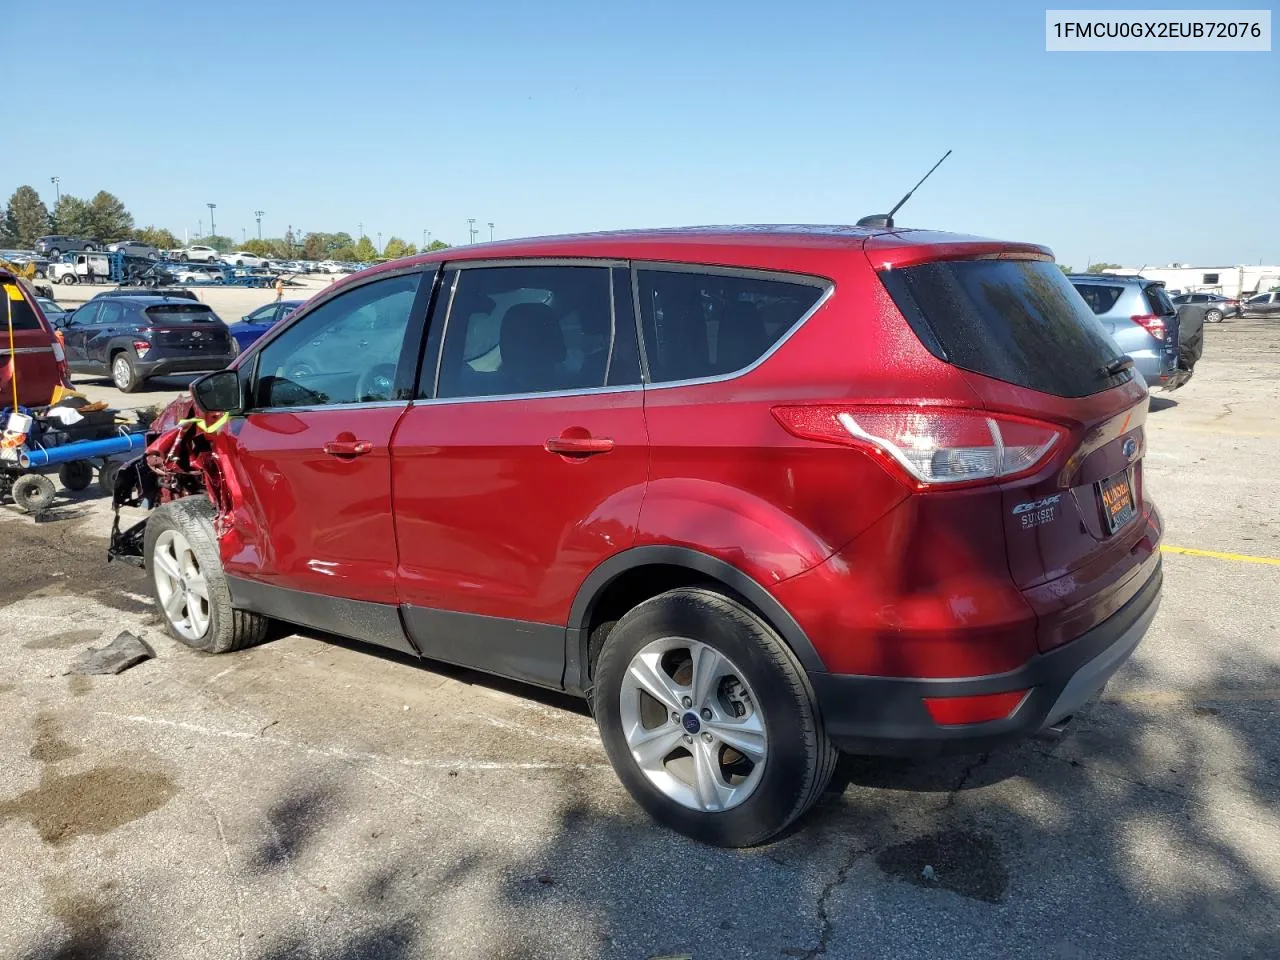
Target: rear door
x=524 y=464
x=28 y=350
x=311 y=534
x=1078 y=537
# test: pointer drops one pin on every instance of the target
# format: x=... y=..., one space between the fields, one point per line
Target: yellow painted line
x=1217 y=555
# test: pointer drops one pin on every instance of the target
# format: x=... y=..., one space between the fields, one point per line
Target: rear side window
x=1019 y=321
x=535 y=329
x=710 y=324
x=24 y=318
x=181 y=313
x=1099 y=298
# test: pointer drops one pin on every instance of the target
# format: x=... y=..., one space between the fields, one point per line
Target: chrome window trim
x=527 y=261
x=750 y=273
x=4 y=351
x=828 y=290
x=320 y=408
x=541 y=395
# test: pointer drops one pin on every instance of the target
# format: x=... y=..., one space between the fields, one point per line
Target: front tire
x=187 y=583
x=124 y=374
x=708 y=719
x=68 y=278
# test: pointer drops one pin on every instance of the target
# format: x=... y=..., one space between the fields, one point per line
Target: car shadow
x=1162 y=403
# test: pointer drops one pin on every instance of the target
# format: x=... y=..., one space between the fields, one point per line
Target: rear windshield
x=1099 y=298
x=1159 y=300
x=181 y=313
x=1020 y=321
x=24 y=318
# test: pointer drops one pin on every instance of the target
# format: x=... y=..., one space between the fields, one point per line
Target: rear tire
x=54 y=253
x=76 y=475
x=124 y=374
x=187 y=583
x=1213 y=316
x=33 y=492
x=668 y=637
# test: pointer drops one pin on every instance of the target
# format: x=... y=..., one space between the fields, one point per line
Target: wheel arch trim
x=577 y=633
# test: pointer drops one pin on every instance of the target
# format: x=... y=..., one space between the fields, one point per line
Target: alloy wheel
x=181 y=585
x=120 y=372
x=693 y=724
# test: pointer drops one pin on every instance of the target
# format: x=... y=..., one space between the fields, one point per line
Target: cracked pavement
x=309 y=798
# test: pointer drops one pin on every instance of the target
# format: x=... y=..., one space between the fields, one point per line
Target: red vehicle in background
x=36 y=354
x=757 y=493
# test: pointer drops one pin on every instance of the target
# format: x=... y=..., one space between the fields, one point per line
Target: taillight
x=931 y=446
x=140 y=347
x=1151 y=322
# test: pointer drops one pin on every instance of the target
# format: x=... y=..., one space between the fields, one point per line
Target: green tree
x=346 y=253
x=365 y=250
x=73 y=217
x=1102 y=267
x=396 y=248
x=111 y=221
x=5 y=239
x=261 y=248
x=158 y=237
x=26 y=217
x=1065 y=269
x=435 y=245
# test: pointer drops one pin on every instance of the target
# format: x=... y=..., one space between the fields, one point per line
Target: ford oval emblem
x=1130 y=448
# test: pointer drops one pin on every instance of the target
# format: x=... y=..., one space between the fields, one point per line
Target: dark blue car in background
x=251 y=327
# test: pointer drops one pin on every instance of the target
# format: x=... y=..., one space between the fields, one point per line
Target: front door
x=75 y=334
x=311 y=538
x=523 y=467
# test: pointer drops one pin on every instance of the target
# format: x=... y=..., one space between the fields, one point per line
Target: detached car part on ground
x=877 y=490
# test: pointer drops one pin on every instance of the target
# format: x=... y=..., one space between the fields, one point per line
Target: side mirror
x=220 y=392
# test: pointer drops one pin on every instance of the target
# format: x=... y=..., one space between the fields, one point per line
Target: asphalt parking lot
x=309 y=798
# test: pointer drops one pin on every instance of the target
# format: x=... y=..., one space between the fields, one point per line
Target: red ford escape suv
x=757 y=493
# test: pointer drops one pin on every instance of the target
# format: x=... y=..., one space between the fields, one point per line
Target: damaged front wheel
x=187 y=582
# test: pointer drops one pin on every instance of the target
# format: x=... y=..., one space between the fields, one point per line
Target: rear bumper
x=887 y=715
x=163 y=366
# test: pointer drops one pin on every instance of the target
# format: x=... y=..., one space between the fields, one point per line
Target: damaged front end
x=180 y=461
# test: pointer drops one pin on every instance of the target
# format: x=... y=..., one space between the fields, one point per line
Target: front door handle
x=578 y=446
x=348 y=448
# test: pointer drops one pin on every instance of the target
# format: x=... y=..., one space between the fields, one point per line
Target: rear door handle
x=578 y=446
x=348 y=448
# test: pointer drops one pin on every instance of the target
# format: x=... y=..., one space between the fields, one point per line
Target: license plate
x=1117 y=500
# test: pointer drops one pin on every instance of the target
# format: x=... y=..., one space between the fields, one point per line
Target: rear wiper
x=1118 y=365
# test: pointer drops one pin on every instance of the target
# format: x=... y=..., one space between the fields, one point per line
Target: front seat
x=532 y=346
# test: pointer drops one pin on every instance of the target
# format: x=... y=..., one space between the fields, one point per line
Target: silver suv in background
x=1144 y=323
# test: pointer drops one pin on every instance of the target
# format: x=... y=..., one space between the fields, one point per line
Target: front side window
x=709 y=324
x=535 y=329
x=344 y=351
x=1260 y=298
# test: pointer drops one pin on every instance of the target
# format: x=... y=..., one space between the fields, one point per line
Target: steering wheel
x=376 y=383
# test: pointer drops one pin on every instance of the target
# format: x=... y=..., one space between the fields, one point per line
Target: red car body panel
x=306 y=520
x=490 y=522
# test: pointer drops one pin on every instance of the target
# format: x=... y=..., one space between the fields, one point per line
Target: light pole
x=379 y=243
x=213 y=231
x=424 y=239
x=471 y=227
x=57 y=190
x=258 y=216
x=490 y=231
x=244 y=235
x=428 y=238
x=359 y=230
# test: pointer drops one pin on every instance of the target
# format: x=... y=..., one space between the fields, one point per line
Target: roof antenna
x=885 y=220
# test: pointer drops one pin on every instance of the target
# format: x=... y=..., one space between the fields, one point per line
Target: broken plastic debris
x=928 y=873
x=120 y=654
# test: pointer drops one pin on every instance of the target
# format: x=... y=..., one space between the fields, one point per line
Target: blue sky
x=559 y=116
